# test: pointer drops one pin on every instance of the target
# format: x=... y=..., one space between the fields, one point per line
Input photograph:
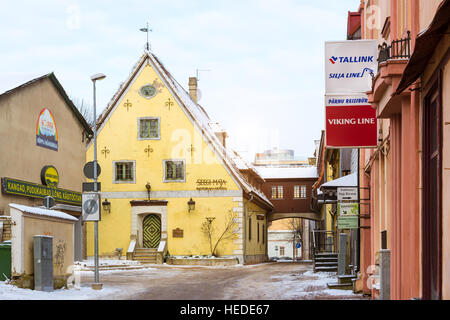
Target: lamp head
x=98 y=76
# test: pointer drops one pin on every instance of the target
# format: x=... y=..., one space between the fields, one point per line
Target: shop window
x=124 y=171
x=148 y=128
x=174 y=171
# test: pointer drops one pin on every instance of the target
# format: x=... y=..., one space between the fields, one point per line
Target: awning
x=350 y=180
x=426 y=43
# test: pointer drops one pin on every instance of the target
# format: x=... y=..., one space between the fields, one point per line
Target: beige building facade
x=42 y=152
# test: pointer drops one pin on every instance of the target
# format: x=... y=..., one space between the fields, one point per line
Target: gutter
x=245 y=227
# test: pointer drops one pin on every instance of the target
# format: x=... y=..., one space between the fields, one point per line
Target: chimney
x=193 y=88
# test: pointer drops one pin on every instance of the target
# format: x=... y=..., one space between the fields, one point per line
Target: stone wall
x=203 y=262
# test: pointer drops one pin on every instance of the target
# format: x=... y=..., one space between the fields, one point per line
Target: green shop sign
x=33 y=190
x=349 y=222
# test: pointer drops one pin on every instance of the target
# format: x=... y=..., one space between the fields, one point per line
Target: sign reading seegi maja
x=28 y=189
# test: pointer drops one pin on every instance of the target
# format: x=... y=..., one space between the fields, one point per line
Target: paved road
x=273 y=281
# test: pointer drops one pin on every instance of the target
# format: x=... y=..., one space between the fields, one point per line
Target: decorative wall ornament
x=191 y=149
x=148 y=150
x=105 y=152
x=148 y=91
x=169 y=103
x=127 y=104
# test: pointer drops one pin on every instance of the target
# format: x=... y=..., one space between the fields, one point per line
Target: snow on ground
x=10 y=292
x=109 y=262
x=287 y=284
x=308 y=285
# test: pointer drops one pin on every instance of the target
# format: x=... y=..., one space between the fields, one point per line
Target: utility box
x=43 y=263
x=5 y=260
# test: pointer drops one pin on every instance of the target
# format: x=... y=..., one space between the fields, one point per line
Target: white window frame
x=149 y=118
x=133 y=162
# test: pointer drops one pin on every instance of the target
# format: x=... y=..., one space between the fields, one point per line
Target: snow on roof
x=198 y=114
x=345 y=181
x=12 y=80
x=216 y=127
x=286 y=172
x=43 y=212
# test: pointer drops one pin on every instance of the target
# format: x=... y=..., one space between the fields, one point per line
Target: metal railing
x=324 y=241
x=399 y=49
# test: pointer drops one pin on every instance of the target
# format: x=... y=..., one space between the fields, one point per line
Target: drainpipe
x=245 y=226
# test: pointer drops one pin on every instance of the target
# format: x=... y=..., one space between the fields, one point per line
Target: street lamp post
x=96 y=285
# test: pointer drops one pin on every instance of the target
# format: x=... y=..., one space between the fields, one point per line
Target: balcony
x=399 y=49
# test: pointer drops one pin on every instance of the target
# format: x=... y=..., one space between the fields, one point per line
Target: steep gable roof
x=194 y=111
x=19 y=83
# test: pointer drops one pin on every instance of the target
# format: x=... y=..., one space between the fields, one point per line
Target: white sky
x=266 y=83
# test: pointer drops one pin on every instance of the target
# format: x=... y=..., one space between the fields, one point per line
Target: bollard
x=342 y=256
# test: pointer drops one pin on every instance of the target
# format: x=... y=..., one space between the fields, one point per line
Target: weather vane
x=146 y=30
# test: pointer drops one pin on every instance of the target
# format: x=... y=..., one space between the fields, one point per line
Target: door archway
x=151 y=227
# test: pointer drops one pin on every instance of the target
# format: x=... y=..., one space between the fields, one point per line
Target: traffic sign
x=49 y=202
x=89 y=170
x=91 y=206
x=89 y=186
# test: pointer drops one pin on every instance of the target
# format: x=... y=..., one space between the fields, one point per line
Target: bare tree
x=85 y=109
x=209 y=230
x=295 y=225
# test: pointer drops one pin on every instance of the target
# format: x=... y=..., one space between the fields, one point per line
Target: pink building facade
x=408 y=174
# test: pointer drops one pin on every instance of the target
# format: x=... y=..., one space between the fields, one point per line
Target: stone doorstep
x=347 y=279
x=325 y=269
x=341 y=286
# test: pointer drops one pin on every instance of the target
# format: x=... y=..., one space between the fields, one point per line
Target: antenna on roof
x=198 y=73
x=146 y=30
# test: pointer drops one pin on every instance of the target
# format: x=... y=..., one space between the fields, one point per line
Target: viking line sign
x=350 y=120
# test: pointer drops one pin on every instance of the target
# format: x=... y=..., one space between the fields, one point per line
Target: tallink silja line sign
x=350 y=120
x=350 y=66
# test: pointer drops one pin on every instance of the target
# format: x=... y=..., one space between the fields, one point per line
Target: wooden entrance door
x=432 y=195
x=151 y=231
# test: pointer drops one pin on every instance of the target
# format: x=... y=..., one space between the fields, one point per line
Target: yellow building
x=168 y=176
